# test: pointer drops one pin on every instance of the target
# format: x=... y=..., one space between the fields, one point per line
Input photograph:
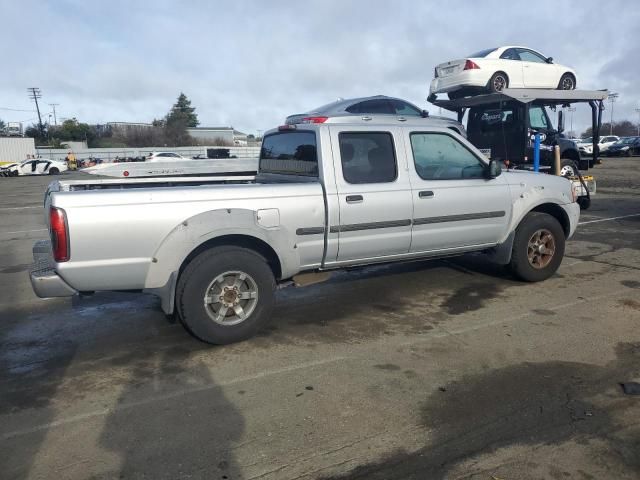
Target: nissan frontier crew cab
x=326 y=196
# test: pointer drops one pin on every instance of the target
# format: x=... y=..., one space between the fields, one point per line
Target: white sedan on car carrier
x=497 y=68
x=36 y=166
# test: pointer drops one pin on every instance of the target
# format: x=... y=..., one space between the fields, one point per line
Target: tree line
x=169 y=131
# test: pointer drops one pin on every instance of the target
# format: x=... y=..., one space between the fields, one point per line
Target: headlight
x=624 y=148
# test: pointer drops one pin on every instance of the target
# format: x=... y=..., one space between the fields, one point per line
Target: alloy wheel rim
x=567 y=171
x=499 y=83
x=541 y=248
x=567 y=83
x=231 y=298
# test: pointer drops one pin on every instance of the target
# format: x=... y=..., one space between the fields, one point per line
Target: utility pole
x=35 y=94
x=55 y=120
x=612 y=98
x=571 y=110
x=638 y=112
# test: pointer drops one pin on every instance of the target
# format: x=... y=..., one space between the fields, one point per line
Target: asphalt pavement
x=425 y=370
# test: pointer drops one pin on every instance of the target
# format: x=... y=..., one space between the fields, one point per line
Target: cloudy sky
x=250 y=63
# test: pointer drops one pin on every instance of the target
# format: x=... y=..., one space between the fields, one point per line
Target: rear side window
x=438 y=156
x=372 y=106
x=492 y=120
x=292 y=153
x=529 y=56
x=403 y=108
x=368 y=157
x=510 y=54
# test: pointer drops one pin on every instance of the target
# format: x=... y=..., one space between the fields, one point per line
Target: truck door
x=374 y=194
x=454 y=205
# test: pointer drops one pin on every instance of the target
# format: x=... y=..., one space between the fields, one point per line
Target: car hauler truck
x=504 y=126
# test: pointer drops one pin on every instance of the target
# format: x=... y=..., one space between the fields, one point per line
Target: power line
x=15 y=109
x=35 y=94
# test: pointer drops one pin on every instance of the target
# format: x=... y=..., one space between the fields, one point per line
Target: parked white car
x=37 y=166
x=165 y=157
x=497 y=68
x=585 y=145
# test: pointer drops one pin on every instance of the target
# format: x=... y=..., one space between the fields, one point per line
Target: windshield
x=627 y=140
x=482 y=53
x=587 y=140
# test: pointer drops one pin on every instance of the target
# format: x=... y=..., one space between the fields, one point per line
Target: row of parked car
x=611 y=146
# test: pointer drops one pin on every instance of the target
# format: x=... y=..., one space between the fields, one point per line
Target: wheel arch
x=238 y=240
x=557 y=212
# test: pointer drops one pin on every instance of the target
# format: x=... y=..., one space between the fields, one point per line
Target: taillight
x=59 y=234
x=469 y=65
x=314 y=119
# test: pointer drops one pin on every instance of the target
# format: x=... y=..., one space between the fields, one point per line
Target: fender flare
x=195 y=231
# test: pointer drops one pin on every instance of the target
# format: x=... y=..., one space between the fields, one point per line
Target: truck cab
x=505 y=131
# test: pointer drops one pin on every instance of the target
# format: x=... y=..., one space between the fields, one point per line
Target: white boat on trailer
x=196 y=167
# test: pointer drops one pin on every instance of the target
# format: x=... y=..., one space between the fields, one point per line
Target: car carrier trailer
x=505 y=124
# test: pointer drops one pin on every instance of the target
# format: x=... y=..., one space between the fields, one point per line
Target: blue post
x=536 y=153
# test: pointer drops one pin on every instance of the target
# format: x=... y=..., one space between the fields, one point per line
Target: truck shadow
x=382 y=300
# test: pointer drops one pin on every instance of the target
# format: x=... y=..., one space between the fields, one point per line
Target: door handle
x=426 y=194
x=354 y=198
x=402 y=119
x=366 y=119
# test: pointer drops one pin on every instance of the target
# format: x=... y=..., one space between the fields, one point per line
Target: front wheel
x=538 y=247
x=54 y=171
x=225 y=294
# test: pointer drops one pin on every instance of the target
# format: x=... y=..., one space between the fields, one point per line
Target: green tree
x=624 y=128
x=183 y=112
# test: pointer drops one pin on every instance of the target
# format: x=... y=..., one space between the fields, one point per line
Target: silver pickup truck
x=326 y=196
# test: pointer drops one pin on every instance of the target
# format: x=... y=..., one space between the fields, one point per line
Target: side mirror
x=550 y=60
x=424 y=114
x=560 y=121
x=493 y=169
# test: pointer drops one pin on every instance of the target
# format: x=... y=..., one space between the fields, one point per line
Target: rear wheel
x=225 y=294
x=54 y=171
x=567 y=82
x=498 y=82
x=538 y=247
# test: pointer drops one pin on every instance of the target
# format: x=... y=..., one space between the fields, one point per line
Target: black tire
x=54 y=171
x=198 y=280
x=498 y=82
x=567 y=82
x=14 y=173
x=568 y=167
x=584 y=202
x=521 y=265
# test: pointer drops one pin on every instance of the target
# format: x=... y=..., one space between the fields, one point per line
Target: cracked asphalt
x=426 y=370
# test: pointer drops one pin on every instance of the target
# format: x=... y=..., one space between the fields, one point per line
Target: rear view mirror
x=493 y=169
x=424 y=114
x=550 y=60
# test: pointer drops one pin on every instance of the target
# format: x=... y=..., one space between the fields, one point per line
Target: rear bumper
x=46 y=283
x=451 y=83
